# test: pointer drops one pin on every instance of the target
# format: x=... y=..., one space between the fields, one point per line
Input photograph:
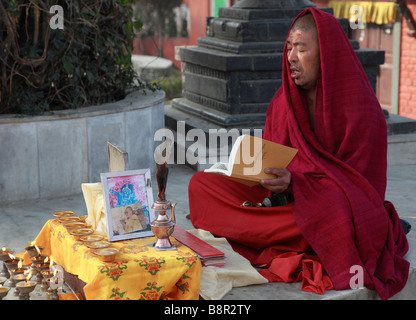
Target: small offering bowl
x=106 y=254
x=58 y=214
x=93 y=245
x=25 y=288
x=3 y=292
x=32 y=252
x=91 y=238
x=78 y=233
x=65 y=219
x=75 y=225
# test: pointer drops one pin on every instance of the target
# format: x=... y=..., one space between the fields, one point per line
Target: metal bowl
x=67 y=219
x=39 y=258
x=106 y=254
x=91 y=238
x=32 y=252
x=75 y=225
x=93 y=245
x=3 y=292
x=78 y=233
x=58 y=214
x=4 y=254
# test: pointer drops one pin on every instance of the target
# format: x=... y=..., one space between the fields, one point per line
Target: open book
x=250 y=156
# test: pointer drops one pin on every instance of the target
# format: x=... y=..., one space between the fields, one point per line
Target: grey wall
x=52 y=155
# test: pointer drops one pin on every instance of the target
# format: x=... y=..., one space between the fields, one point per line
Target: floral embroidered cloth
x=139 y=272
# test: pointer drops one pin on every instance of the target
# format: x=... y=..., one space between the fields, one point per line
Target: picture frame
x=128 y=200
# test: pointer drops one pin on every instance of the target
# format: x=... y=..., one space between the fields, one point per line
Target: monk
x=132 y=221
x=337 y=231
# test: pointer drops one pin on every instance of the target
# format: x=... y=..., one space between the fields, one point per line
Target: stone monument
x=232 y=74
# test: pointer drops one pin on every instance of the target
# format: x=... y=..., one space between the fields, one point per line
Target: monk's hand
x=279 y=184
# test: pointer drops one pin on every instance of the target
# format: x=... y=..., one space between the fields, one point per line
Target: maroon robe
x=338 y=182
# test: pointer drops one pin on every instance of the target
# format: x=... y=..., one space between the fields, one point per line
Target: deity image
x=125 y=196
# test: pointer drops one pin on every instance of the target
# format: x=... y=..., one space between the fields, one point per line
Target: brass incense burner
x=163 y=226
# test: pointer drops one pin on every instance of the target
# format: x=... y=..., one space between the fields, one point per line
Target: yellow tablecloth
x=138 y=273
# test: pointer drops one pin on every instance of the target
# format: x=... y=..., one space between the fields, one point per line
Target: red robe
x=338 y=182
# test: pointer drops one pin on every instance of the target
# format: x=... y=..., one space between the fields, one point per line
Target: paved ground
x=20 y=222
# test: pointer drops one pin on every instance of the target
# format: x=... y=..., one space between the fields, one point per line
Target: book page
x=235 y=152
x=219 y=167
x=258 y=154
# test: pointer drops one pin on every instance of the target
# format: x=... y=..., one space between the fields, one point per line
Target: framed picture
x=128 y=199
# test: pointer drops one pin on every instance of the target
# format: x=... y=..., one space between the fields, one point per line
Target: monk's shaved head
x=306 y=23
x=303 y=54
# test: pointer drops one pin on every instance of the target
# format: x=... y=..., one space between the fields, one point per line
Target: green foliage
x=172 y=85
x=87 y=62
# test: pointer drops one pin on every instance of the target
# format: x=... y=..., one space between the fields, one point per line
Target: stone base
x=222 y=119
x=397 y=124
x=206 y=120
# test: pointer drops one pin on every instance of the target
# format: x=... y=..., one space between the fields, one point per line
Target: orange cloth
x=139 y=272
x=70 y=296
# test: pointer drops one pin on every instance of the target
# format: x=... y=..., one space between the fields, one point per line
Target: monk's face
x=303 y=56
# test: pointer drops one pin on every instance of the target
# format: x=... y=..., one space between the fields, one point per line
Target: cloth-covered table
x=139 y=272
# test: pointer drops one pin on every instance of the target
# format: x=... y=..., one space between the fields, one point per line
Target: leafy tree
x=87 y=62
